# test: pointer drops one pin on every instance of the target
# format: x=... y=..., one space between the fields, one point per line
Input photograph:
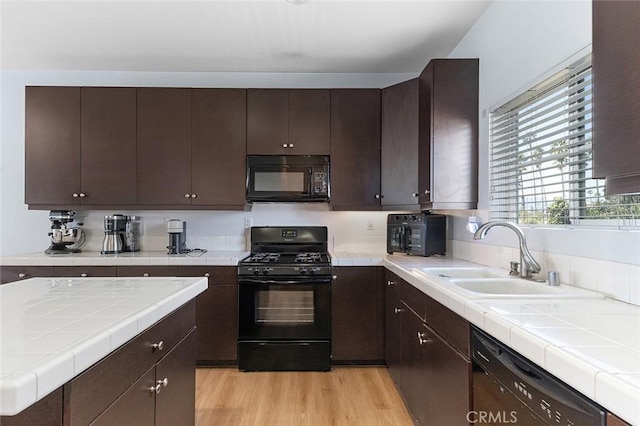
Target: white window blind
x=541 y=159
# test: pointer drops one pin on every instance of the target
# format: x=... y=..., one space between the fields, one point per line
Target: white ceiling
x=323 y=36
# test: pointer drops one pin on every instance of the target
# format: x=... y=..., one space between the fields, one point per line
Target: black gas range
x=284 y=301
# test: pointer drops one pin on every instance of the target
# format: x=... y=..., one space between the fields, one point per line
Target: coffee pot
x=177 y=230
x=121 y=234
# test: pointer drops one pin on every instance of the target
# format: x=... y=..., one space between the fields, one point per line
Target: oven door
x=284 y=308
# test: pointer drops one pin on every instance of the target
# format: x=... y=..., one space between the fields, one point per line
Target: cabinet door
x=393 y=327
x=52 y=145
x=108 y=137
x=267 y=121
x=164 y=146
x=355 y=149
x=354 y=314
x=449 y=373
x=135 y=407
x=216 y=314
x=219 y=145
x=176 y=373
x=415 y=381
x=309 y=117
x=16 y=273
x=448 y=134
x=400 y=145
x=616 y=95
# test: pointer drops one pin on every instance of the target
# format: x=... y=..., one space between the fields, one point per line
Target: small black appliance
x=177 y=230
x=419 y=234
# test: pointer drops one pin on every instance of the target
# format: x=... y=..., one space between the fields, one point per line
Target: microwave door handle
x=403 y=238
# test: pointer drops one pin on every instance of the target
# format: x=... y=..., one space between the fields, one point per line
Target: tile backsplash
x=616 y=280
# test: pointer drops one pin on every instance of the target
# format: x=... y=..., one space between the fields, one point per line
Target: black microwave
x=288 y=178
x=419 y=234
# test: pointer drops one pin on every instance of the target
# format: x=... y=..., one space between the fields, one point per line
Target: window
x=541 y=159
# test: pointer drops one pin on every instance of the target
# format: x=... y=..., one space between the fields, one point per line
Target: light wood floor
x=345 y=396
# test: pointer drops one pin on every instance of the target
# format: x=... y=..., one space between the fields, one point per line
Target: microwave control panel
x=320 y=183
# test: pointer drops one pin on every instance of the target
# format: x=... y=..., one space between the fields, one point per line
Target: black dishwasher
x=508 y=388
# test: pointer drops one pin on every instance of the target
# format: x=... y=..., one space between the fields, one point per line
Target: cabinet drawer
x=147 y=271
x=452 y=327
x=415 y=299
x=392 y=283
x=85 y=271
x=10 y=274
x=218 y=275
x=93 y=391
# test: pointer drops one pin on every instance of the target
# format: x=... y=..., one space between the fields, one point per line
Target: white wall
x=518 y=43
x=24 y=231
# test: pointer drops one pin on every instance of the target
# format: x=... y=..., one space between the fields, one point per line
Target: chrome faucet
x=528 y=264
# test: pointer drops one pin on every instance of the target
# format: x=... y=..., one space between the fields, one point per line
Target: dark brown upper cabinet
x=164 y=146
x=355 y=149
x=288 y=121
x=399 y=171
x=219 y=148
x=448 y=134
x=108 y=141
x=52 y=145
x=80 y=146
x=616 y=95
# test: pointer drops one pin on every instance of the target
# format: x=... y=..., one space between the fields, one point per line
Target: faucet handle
x=513 y=268
x=553 y=278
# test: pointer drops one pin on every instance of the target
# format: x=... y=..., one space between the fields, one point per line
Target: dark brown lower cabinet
x=216 y=314
x=10 y=274
x=433 y=376
x=85 y=271
x=357 y=315
x=393 y=328
x=147 y=271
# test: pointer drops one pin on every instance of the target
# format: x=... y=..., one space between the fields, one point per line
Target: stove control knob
x=313 y=270
x=303 y=270
x=256 y=271
x=265 y=271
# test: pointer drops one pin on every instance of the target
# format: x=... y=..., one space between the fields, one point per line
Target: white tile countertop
x=89 y=258
x=52 y=329
x=591 y=344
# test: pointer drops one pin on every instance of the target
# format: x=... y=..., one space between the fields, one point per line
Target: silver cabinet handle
x=146 y=274
x=159 y=346
x=84 y=275
x=207 y=275
x=422 y=338
x=194 y=195
x=389 y=283
x=378 y=196
x=22 y=275
x=187 y=195
x=334 y=277
x=284 y=145
x=164 y=382
x=398 y=310
x=426 y=192
x=415 y=194
x=290 y=145
x=75 y=195
x=155 y=389
x=82 y=195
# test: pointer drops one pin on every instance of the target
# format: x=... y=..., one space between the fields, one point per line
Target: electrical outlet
x=248 y=222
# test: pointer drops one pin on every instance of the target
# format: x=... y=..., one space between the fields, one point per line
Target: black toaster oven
x=419 y=234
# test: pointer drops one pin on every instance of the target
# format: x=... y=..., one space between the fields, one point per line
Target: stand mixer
x=66 y=237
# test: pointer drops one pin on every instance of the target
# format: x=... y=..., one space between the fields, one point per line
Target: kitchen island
x=70 y=332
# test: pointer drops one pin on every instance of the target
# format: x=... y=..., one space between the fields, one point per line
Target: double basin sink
x=489 y=283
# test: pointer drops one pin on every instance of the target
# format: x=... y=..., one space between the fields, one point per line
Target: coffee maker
x=66 y=237
x=121 y=234
x=177 y=230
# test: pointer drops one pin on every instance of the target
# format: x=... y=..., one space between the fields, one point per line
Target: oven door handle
x=298 y=281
